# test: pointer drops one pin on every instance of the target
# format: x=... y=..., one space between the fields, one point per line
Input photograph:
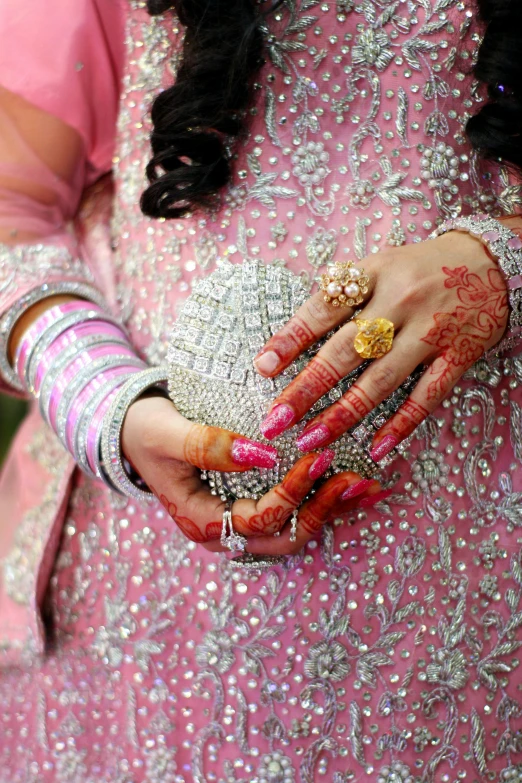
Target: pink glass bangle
x=83 y=398
x=93 y=439
x=85 y=358
x=41 y=324
x=72 y=335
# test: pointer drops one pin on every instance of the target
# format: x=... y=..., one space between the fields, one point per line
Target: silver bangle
x=81 y=428
x=52 y=333
x=506 y=247
x=9 y=319
x=83 y=378
x=112 y=463
x=61 y=416
x=68 y=355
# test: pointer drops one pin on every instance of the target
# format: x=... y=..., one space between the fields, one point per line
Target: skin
x=168 y=452
x=59 y=146
x=165 y=448
x=448 y=304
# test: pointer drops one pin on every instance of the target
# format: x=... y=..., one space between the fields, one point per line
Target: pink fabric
x=390 y=649
x=79 y=64
x=78 y=61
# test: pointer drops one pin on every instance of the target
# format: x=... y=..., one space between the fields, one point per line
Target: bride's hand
x=168 y=452
x=448 y=302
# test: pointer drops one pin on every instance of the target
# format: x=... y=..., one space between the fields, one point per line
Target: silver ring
x=293 y=525
x=229 y=538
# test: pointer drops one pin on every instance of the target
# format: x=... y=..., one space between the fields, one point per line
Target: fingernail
x=312 y=438
x=373 y=499
x=355 y=489
x=321 y=464
x=277 y=421
x=383 y=449
x=267 y=362
x=257 y=455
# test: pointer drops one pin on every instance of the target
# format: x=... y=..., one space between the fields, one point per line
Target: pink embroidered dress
x=390 y=650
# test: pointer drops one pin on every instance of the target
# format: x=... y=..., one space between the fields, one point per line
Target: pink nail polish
x=321 y=464
x=267 y=362
x=373 y=499
x=383 y=449
x=355 y=489
x=256 y=455
x=312 y=438
x=277 y=421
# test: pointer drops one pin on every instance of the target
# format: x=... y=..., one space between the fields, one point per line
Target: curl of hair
x=495 y=131
x=206 y=108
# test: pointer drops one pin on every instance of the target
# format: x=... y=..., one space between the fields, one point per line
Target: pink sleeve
x=66 y=58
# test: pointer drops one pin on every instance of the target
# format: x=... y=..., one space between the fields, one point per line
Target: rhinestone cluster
x=229 y=316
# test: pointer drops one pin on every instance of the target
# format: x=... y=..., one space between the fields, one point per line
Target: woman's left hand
x=448 y=302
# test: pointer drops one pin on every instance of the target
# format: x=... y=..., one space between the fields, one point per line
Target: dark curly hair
x=495 y=131
x=196 y=119
x=205 y=110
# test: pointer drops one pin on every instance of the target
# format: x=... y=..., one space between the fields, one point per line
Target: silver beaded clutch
x=225 y=321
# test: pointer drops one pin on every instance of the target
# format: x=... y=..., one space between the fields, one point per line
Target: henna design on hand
x=266 y=522
x=186 y=525
x=462 y=336
x=204 y=446
x=293 y=338
x=346 y=412
x=407 y=418
x=314 y=381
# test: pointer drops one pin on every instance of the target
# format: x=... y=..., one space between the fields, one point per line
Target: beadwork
x=227 y=319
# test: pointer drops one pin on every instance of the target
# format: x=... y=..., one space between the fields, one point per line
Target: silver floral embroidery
x=20 y=564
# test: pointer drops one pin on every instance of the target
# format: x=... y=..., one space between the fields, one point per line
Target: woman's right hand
x=168 y=452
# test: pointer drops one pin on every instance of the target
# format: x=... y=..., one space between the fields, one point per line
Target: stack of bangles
x=77 y=361
x=79 y=364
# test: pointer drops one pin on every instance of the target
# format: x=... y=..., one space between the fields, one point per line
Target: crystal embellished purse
x=224 y=323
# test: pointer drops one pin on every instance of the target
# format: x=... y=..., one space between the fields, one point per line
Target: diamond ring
x=229 y=538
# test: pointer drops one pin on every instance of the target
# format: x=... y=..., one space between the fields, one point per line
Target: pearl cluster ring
x=344 y=284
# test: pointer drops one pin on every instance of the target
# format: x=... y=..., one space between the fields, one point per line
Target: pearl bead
x=354 y=273
x=352 y=290
x=331 y=270
x=333 y=289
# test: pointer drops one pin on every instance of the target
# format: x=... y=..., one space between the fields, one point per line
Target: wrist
x=504 y=247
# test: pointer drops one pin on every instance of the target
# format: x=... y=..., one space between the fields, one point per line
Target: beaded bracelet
x=506 y=247
x=111 y=455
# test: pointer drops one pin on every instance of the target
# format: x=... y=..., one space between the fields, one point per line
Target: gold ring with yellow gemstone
x=344 y=284
x=374 y=338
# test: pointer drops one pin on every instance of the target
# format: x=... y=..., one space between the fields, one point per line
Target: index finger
x=313 y=320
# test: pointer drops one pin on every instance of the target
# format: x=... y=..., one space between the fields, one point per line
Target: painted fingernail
x=257 y=455
x=312 y=438
x=321 y=464
x=384 y=447
x=277 y=421
x=373 y=499
x=267 y=362
x=355 y=489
